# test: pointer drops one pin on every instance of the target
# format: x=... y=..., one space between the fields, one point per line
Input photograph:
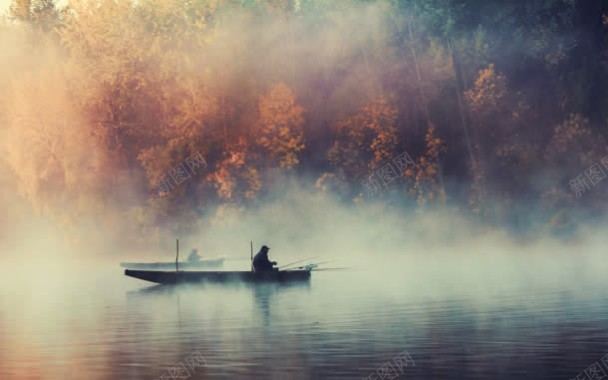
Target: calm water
x=341 y=325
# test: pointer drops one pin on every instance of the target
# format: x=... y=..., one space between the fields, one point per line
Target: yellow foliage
x=280 y=125
x=49 y=145
x=366 y=140
x=425 y=171
x=488 y=92
x=234 y=178
x=574 y=136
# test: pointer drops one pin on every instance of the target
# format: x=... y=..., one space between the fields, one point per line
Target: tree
x=51 y=148
x=485 y=102
x=235 y=178
x=365 y=140
x=425 y=173
x=41 y=14
x=280 y=125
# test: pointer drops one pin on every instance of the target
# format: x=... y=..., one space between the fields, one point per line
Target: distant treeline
x=168 y=108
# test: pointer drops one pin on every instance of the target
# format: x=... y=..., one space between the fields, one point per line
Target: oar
x=314 y=269
x=297 y=262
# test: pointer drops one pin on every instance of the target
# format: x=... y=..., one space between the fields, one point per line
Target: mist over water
x=461 y=300
x=481 y=257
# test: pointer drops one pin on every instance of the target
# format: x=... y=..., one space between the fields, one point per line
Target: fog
x=388 y=247
x=68 y=296
x=291 y=106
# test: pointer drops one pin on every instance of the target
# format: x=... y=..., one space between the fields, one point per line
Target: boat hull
x=168 y=277
x=207 y=263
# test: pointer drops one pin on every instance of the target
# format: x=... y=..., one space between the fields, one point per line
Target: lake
x=424 y=317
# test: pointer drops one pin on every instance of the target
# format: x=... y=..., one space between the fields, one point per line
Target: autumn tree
x=50 y=147
x=573 y=148
x=280 y=125
x=43 y=15
x=364 y=141
x=363 y=144
x=424 y=173
x=485 y=102
x=236 y=179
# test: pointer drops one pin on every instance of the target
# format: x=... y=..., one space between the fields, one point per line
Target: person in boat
x=261 y=263
x=194 y=257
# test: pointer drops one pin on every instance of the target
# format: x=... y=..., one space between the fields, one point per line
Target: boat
x=168 y=265
x=175 y=277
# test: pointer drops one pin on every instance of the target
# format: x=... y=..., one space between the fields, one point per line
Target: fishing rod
x=314 y=265
x=297 y=262
x=314 y=269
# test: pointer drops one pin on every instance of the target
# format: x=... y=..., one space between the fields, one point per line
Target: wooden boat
x=169 y=265
x=173 y=277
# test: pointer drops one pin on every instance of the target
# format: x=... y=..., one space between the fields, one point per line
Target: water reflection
x=238 y=327
x=336 y=327
x=265 y=293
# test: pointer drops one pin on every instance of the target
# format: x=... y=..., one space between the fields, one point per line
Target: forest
x=170 y=111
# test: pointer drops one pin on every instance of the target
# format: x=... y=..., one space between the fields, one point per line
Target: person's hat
x=265 y=248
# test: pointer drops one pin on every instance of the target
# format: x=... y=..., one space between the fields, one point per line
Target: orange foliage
x=235 y=178
x=49 y=146
x=573 y=141
x=135 y=87
x=280 y=125
x=487 y=94
x=425 y=172
x=366 y=140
